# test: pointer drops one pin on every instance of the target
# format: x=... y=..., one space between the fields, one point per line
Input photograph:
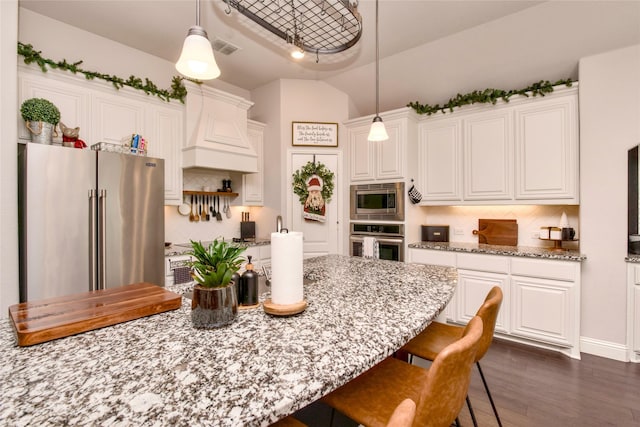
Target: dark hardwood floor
x=535 y=387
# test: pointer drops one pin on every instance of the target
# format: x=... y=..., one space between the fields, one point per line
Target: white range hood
x=216 y=126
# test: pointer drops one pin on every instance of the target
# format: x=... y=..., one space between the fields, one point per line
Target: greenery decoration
x=486 y=96
x=178 y=90
x=40 y=110
x=302 y=175
x=214 y=266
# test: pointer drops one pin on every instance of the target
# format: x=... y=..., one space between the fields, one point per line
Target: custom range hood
x=216 y=129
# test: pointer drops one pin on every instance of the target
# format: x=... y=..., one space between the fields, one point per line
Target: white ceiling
x=429 y=50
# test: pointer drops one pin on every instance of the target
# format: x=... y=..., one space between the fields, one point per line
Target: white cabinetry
x=105 y=114
x=546 y=146
x=488 y=161
x=521 y=152
x=440 y=157
x=380 y=160
x=541 y=304
x=260 y=255
x=253 y=183
x=633 y=308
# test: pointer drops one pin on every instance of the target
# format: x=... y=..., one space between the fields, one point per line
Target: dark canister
x=238 y=281
x=249 y=292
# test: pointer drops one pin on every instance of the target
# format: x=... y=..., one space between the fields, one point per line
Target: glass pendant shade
x=197 y=60
x=378 y=132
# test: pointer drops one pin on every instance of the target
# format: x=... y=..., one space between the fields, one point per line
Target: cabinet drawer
x=636 y=275
x=490 y=263
x=425 y=256
x=556 y=270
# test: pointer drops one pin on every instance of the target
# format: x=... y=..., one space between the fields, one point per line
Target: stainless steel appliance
x=378 y=202
x=389 y=237
x=88 y=220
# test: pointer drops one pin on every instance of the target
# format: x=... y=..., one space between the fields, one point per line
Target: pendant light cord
x=198 y=13
x=377 y=65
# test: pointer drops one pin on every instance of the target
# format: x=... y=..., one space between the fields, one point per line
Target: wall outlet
x=458 y=231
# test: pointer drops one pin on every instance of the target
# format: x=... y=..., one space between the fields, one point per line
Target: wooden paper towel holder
x=284 y=309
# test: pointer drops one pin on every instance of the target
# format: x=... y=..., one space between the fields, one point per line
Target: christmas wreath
x=306 y=178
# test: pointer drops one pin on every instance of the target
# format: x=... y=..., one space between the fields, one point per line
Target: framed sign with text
x=310 y=134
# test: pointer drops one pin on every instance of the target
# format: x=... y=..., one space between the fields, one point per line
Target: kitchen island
x=158 y=370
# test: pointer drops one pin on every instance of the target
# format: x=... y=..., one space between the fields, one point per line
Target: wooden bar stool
x=439 y=392
x=402 y=417
x=437 y=336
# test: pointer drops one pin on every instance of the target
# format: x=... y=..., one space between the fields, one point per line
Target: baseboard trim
x=607 y=349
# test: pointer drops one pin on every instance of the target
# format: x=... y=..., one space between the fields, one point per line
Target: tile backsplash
x=462 y=220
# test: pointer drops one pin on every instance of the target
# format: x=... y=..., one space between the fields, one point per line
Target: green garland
x=303 y=174
x=178 y=90
x=488 y=96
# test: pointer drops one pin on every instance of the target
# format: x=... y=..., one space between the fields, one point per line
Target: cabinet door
x=636 y=328
x=440 y=160
x=488 y=156
x=165 y=136
x=361 y=154
x=74 y=102
x=542 y=310
x=116 y=117
x=253 y=183
x=473 y=288
x=547 y=150
x=390 y=154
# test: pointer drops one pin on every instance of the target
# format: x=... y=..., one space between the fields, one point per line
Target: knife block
x=247 y=230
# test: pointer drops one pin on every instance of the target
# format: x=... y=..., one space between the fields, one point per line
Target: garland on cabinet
x=178 y=90
x=313 y=184
x=488 y=96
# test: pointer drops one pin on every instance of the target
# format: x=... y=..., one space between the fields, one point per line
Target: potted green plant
x=41 y=117
x=215 y=301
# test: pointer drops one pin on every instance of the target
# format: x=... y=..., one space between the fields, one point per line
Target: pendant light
x=378 y=131
x=197 y=60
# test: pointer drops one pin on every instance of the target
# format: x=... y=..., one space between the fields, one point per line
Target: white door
x=320 y=238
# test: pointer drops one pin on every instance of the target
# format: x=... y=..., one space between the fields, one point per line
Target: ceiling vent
x=224 y=46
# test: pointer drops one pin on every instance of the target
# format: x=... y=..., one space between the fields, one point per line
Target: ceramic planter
x=213 y=307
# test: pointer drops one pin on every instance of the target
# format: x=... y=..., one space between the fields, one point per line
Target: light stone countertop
x=181 y=248
x=159 y=371
x=517 y=251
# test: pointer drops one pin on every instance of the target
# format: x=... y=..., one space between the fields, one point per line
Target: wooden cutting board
x=36 y=322
x=497 y=232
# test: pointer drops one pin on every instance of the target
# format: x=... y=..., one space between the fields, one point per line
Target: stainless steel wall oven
x=389 y=239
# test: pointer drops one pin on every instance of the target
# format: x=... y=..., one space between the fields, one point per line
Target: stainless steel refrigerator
x=88 y=220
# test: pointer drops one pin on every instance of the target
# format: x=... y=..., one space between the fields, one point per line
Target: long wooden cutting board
x=497 y=232
x=36 y=322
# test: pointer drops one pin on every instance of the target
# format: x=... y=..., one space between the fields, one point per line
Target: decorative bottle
x=249 y=291
x=238 y=281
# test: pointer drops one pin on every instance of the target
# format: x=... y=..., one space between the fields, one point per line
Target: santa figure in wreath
x=314 y=206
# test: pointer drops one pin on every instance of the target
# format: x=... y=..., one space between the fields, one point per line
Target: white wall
x=609 y=126
x=8 y=156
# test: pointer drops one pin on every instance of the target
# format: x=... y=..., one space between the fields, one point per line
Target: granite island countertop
x=517 y=251
x=159 y=371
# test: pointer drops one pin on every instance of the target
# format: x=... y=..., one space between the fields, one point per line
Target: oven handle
x=359 y=238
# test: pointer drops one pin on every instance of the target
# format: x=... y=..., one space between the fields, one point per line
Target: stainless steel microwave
x=378 y=201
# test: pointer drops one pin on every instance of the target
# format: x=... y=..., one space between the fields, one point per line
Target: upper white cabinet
x=488 y=161
x=380 y=160
x=253 y=183
x=105 y=114
x=546 y=146
x=521 y=152
x=440 y=158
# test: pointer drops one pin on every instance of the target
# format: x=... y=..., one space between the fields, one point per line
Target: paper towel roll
x=286 y=268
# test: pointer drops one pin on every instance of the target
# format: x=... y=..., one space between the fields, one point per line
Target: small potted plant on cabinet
x=41 y=117
x=215 y=301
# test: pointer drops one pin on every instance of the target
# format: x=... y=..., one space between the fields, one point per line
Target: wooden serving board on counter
x=36 y=322
x=497 y=232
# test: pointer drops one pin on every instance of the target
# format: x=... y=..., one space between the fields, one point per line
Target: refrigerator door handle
x=93 y=274
x=102 y=239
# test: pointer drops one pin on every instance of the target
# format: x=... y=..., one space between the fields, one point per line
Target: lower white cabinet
x=473 y=287
x=541 y=297
x=260 y=255
x=633 y=308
